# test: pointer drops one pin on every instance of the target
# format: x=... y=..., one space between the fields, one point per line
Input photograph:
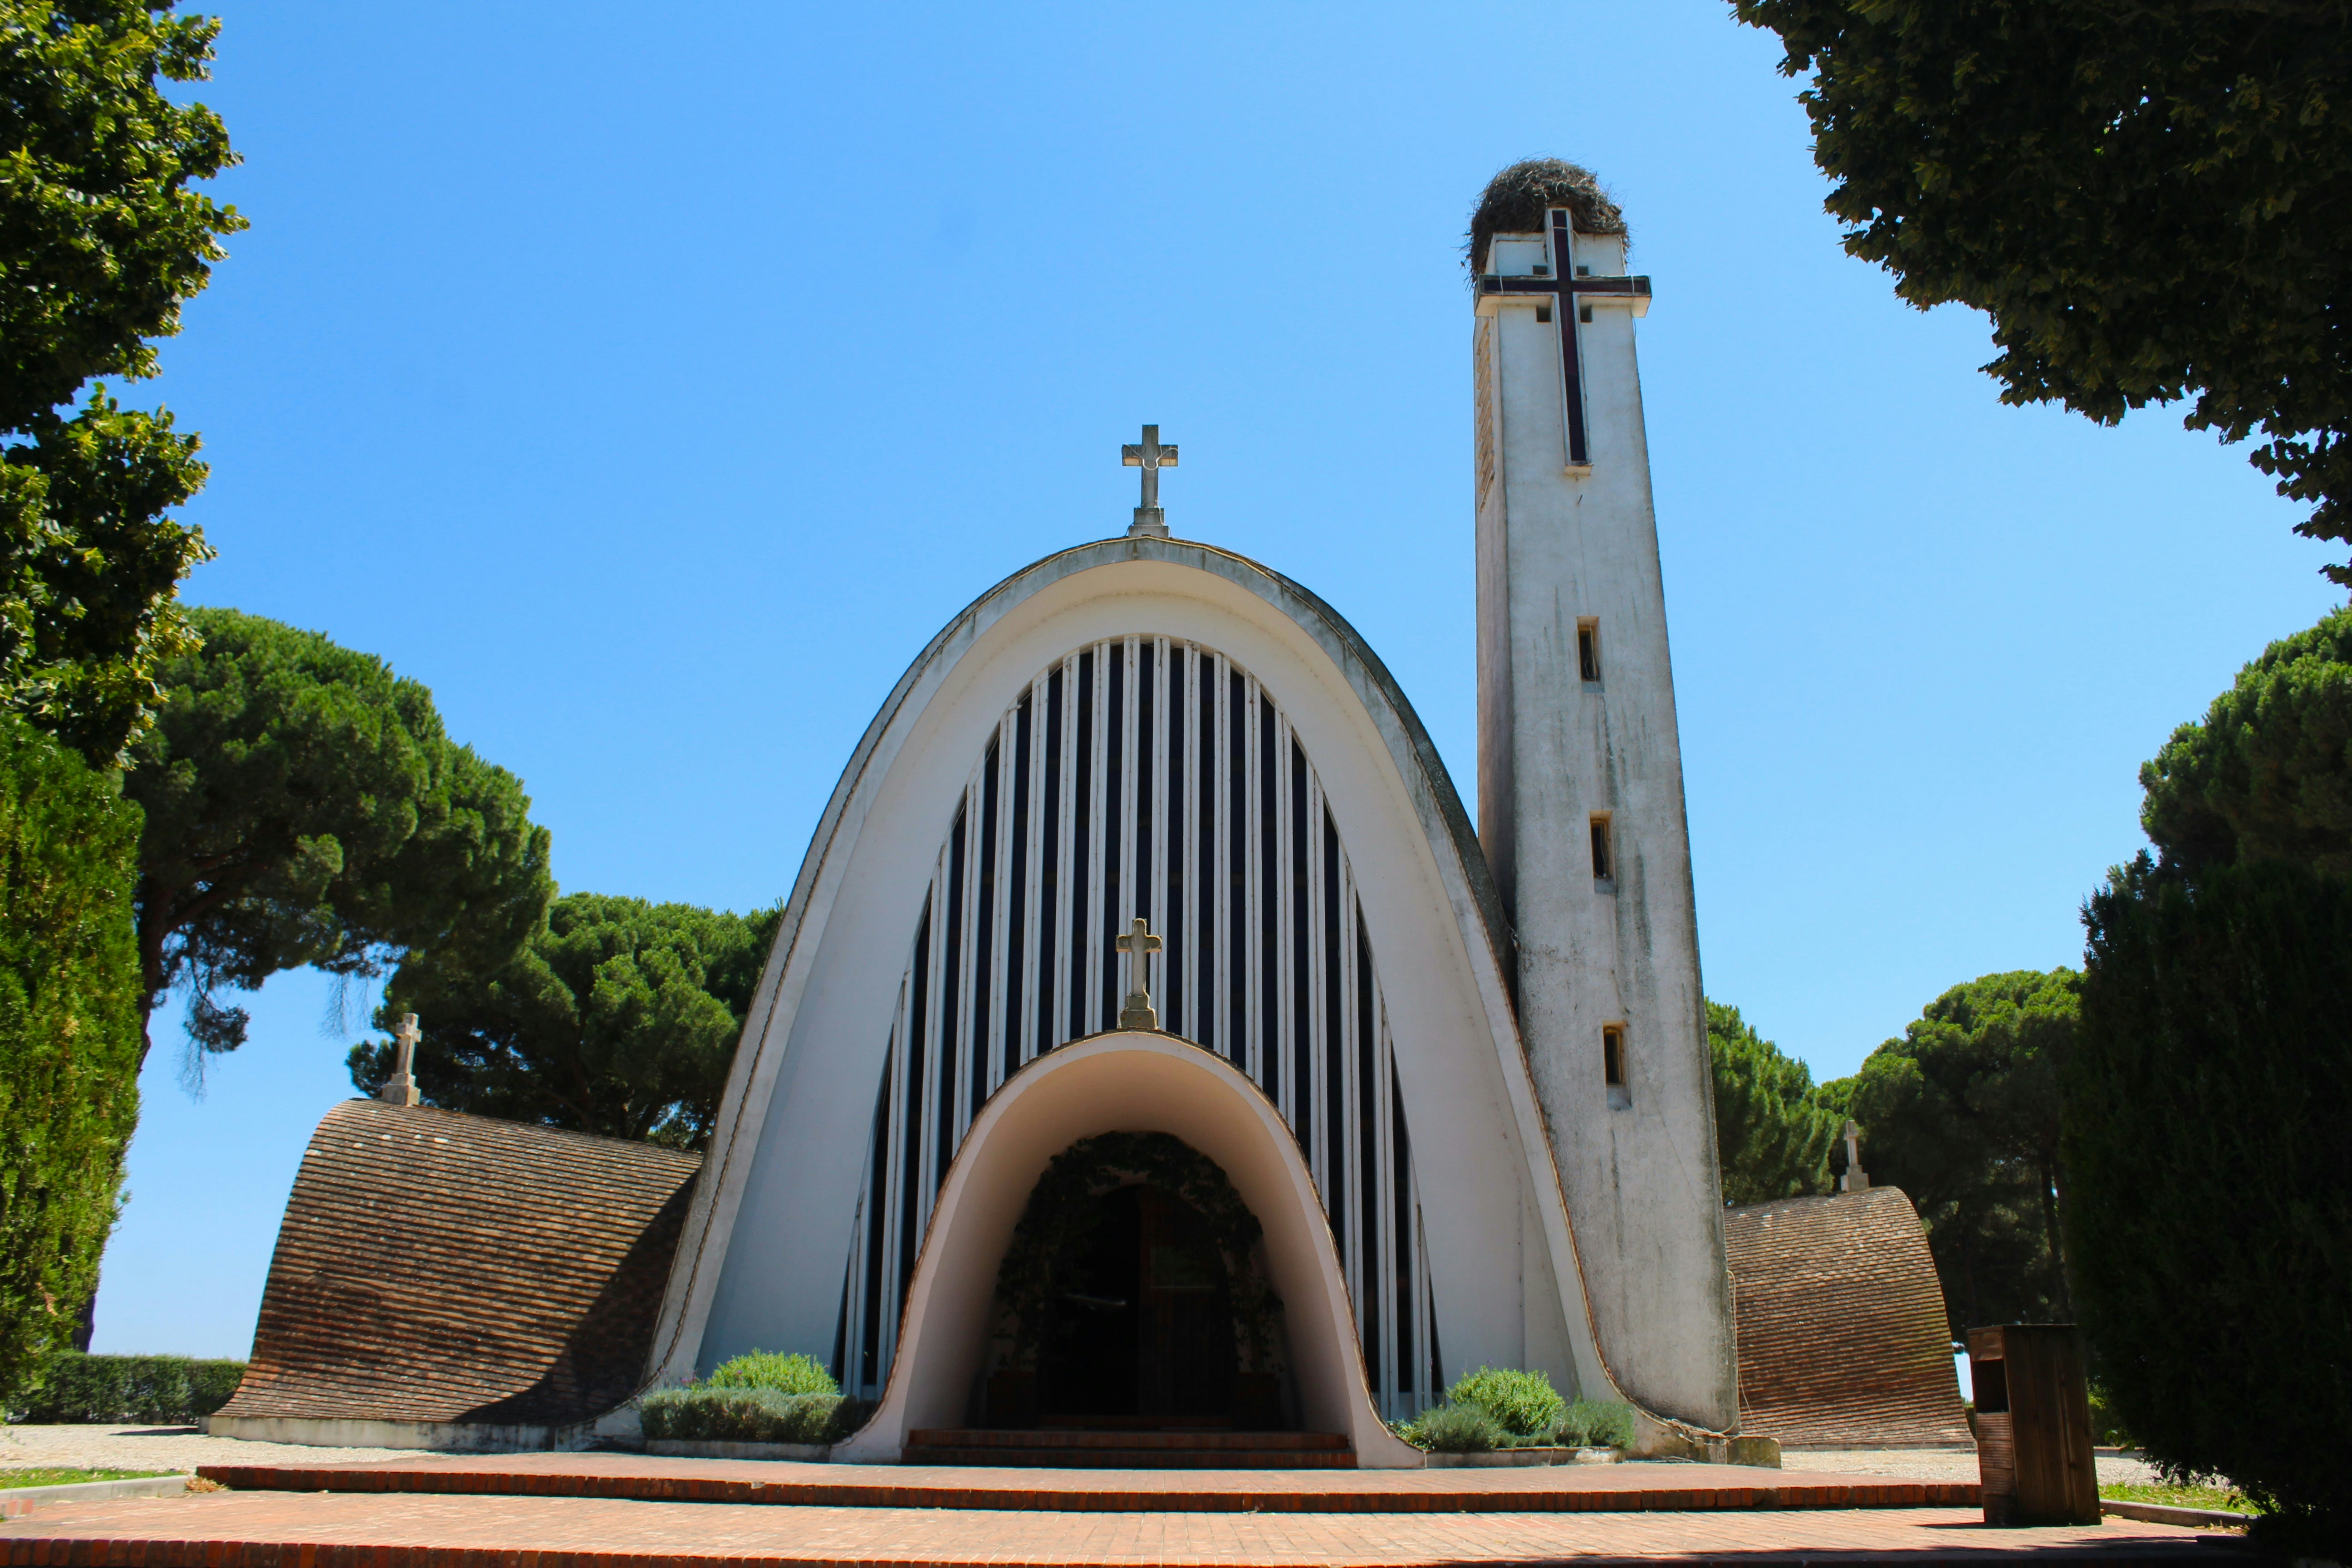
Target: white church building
x=1460 y=1076
x=1148 y=842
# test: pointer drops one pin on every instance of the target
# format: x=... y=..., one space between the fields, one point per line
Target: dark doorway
x=1142 y=1323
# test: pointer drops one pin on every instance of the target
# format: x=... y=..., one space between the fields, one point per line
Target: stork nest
x=1515 y=201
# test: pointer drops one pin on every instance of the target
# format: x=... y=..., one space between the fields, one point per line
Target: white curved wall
x=1123 y=1082
x=762 y=1258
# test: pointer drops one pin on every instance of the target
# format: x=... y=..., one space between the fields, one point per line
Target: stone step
x=1085 y=1459
x=1099 y=1438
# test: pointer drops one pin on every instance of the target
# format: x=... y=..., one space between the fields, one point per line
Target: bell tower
x=1580 y=783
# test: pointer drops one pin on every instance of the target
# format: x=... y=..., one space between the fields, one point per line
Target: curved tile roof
x=438 y=1267
x=1843 y=1339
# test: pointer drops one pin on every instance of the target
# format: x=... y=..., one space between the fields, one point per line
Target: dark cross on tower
x=1566 y=292
x=1138 y=943
x=1149 y=456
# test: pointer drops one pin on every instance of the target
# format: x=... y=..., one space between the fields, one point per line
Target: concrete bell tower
x=1580 y=784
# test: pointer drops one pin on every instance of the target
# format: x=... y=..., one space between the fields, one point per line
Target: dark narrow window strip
x=1205 y=833
x=1407 y=1255
x=1302 y=975
x=952 y=994
x=1269 y=882
x=1083 y=869
x=985 y=935
x=1178 y=957
x=1115 y=890
x=1016 y=918
x=1049 y=890
x=1237 y=854
x=1335 y=1046
x=877 y=1232
x=1366 y=1046
x=919 y=1051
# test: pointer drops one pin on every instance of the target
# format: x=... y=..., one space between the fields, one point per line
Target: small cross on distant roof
x=1150 y=520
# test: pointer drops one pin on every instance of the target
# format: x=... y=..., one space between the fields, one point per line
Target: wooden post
x=2034 y=1425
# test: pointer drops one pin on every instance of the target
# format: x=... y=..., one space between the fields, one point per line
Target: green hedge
x=708 y=1415
x=2210 y=1180
x=69 y=1045
x=75 y=1387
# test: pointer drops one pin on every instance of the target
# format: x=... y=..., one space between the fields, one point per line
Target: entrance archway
x=1130 y=1082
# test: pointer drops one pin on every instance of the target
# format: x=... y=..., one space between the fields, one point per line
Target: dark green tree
x=2268 y=774
x=620 y=1018
x=2209 y=1206
x=70 y=994
x=1962 y=1113
x=1772 y=1134
x=101 y=243
x=304 y=807
x=2148 y=197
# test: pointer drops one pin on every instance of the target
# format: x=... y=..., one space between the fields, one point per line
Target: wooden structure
x=2034 y=1425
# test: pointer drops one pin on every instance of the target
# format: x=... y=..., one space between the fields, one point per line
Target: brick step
x=1077 y=1459
x=1099 y=1438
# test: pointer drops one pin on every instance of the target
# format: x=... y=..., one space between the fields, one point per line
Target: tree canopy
x=1962 y=1113
x=69 y=1036
x=304 y=807
x=1772 y=1133
x=619 y=1017
x=102 y=241
x=2268 y=774
x=2148 y=197
x=2211 y=1178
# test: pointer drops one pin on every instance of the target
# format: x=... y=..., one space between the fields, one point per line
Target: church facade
x=1458 y=1077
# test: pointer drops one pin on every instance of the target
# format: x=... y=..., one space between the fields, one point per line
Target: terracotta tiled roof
x=434 y=1266
x=1841 y=1332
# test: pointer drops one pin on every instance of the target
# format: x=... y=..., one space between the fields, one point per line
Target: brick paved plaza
x=281 y=1530
x=585 y=1510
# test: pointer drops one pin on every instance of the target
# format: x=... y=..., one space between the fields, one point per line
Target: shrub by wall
x=707 y=1414
x=793 y=1373
x=75 y=1387
x=1524 y=1404
x=2210 y=1179
x=69 y=1037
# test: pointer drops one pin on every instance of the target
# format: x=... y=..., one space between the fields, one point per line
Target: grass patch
x=54 y=1476
x=2221 y=1498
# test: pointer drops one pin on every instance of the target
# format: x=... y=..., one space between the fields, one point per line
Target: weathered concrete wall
x=1555 y=546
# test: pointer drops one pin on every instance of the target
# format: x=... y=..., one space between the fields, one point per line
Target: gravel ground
x=185 y=1447
x=152 y=1448
x=1942 y=1464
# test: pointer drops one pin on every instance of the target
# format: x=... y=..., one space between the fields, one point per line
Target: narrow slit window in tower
x=1604 y=860
x=1612 y=1066
x=1543 y=313
x=1588 y=648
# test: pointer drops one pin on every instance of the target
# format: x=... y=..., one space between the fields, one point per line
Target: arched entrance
x=1133 y=1293
x=1121 y=1082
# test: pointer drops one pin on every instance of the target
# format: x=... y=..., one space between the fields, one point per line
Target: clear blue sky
x=653 y=383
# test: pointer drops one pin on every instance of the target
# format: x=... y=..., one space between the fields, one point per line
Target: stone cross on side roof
x=401 y=1089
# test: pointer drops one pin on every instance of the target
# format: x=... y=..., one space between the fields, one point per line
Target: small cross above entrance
x=1565 y=283
x=1138 y=943
x=1150 y=520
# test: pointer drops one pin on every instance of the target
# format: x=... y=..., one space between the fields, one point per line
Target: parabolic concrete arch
x=763 y=1258
x=1128 y=1082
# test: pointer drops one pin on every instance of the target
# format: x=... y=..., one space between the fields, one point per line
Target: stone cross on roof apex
x=1150 y=520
